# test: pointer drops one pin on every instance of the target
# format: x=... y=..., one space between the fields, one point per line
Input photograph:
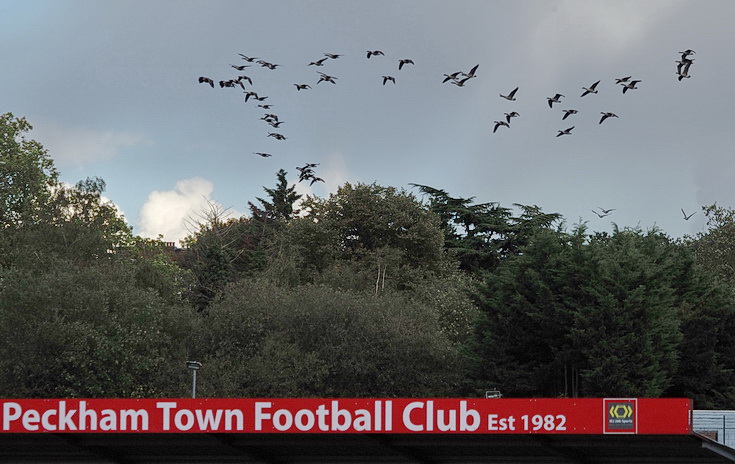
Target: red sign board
x=320 y=415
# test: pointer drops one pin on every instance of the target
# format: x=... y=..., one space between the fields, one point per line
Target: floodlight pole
x=194 y=366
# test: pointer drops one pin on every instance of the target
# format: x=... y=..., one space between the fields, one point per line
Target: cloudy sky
x=111 y=90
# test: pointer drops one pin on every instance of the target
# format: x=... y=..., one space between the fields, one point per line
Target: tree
x=89 y=330
x=312 y=340
x=281 y=204
x=40 y=216
x=593 y=315
x=27 y=174
x=483 y=234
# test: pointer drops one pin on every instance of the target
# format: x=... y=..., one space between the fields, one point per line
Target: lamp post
x=194 y=366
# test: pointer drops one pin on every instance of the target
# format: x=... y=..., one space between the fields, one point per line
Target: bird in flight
x=402 y=62
x=326 y=78
x=590 y=89
x=554 y=99
x=333 y=56
x=244 y=78
x=606 y=115
x=498 y=124
x=206 y=80
x=389 y=78
x=512 y=114
x=511 y=96
x=567 y=131
x=270 y=66
x=687 y=216
x=600 y=215
x=461 y=82
x=567 y=113
x=263 y=155
x=374 y=52
x=622 y=80
x=685 y=54
x=248 y=58
x=302 y=86
x=471 y=74
x=265 y=107
x=240 y=67
x=451 y=77
x=319 y=62
x=606 y=211
x=631 y=85
x=276 y=136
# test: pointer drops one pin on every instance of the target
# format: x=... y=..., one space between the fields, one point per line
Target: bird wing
x=512 y=94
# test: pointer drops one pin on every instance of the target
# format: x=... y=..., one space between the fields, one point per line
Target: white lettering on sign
x=69 y=419
x=186 y=419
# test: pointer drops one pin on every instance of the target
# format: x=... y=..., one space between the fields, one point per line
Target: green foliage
x=607 y=315
x=89 y=331
x=27 y=174
x=482 y=235
x=317 y=341
x=281 y=204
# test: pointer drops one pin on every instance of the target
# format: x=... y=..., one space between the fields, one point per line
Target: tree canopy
x=371 y=291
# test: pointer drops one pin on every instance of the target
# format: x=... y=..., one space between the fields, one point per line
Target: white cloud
x=78 y=146
x=170 y=213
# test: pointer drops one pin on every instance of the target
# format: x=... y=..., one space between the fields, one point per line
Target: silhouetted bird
x=402 y=62
x=276 y=136
x=606 y=115
x=264 y=155
x=244 y=78
x=333 y=56
x=687 y=216
x=511 y=96
x=622 y=80
x=326 y=78
x=565 y=132
x=240 y=67
x=599 y=215
x=451 y=77
x=319 y=62
x=567 y=113
x=590 y=89
x=471 y=74
x=302 y=86
x=498 y=124
x=631 y=85
x=389 y=78
x=374 y=52
x=248 y=58
x=206 y=80
x=554 y=99
x=512 y=114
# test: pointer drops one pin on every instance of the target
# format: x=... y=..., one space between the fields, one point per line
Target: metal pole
x=194 y=384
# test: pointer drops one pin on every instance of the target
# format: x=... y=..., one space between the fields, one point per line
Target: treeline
x=373 y=291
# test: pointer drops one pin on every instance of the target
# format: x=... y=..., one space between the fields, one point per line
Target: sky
x=111 y=89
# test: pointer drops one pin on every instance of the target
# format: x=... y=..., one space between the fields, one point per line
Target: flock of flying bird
x=458 y=78
x=306 y=171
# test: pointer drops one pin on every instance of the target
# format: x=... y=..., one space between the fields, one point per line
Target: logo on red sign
x=620 y=415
